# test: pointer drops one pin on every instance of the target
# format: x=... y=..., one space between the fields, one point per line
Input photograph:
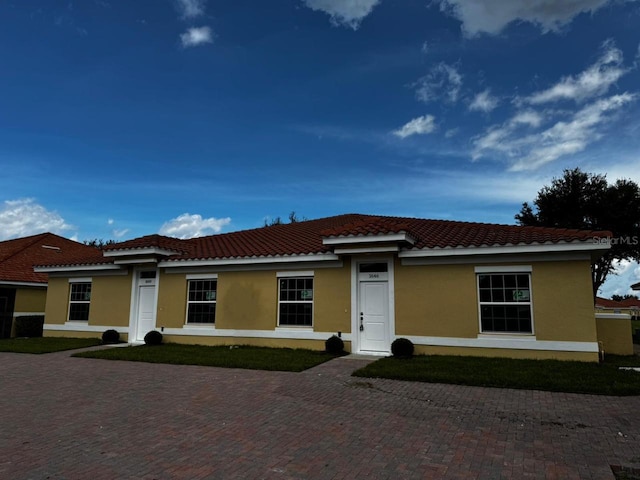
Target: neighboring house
x=450 y=287
x=23 y=291
x=629 y=306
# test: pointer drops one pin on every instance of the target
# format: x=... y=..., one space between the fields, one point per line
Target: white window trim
x=73 y=281
x=196 y=277
x=501 y=270
x=295 y=273
x=303 y=275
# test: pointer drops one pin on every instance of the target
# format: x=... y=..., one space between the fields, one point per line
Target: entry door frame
x=136 y=283
x=355 y=294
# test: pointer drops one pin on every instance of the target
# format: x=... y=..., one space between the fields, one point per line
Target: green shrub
x=110 y=336
x=153 y=338
x=29 y=326
x=334 y=345
x=402 y=348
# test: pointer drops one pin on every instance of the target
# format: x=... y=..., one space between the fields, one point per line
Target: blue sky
x=192 y=117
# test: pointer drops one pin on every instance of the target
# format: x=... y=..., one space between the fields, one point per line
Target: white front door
x=373 y=308
x=146 y=312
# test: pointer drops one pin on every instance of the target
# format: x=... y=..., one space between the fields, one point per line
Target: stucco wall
x=442 y=301
x=30 y=300
x=110 y=298
x=249 y=300
x=614 y=331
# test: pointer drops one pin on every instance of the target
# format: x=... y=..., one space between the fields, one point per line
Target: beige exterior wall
x=110 y=299
x=30 y=299
x=57 y=307
x=442 y=301
x=615 y=335
x=249 y=300
x=430 y=301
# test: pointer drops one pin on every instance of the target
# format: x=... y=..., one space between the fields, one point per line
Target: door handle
x=361 y=321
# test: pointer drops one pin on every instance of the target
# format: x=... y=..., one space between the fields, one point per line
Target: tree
x=619 y=298
x=587 y=201
x=293 y=218
x=99 y=243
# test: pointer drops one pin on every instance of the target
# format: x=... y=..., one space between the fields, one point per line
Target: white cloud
x=443 y=80
x=190 y=226
x=484 y=102
x=23 y=217
x=592 y=82
x=491 y=16
x=190 y=8
x=530 y=150
x=452 y=132
x=110 y=221
x=196 y=36
x=347 y=13
x=119 y=233
x=628 y=273
x=418 y=126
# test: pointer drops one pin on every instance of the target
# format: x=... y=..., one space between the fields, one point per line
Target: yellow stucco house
x=450 y=287
x=23 y=292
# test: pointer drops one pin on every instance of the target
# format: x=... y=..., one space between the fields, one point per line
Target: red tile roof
x=626 y=303
x=18 y=256
x=306 y=237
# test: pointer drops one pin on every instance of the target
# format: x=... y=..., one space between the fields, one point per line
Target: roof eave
x=580 y=246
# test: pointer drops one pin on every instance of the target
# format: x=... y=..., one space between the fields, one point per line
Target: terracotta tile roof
x=18 y=257
x=626 y=303
x=303 y=238
x=151 y=241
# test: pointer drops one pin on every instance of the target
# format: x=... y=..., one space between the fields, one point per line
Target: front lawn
x=550 y=375
x=256 y=358
x=46 y=344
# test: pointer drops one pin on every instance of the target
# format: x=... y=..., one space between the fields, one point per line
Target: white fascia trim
x=77 y=268
x=394 y=237
x=492 y=259
x=295 y=273
x=82 y=327
x=25 y=284
x=139 y=251
x=504 y=269
x=504 y=249
x=613 y=316
x=26 y=314
x=250 y=260
x=509 y=343
x=349 y=251
x=281 y=333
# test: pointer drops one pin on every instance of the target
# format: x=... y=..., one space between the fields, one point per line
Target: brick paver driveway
x=72 y=418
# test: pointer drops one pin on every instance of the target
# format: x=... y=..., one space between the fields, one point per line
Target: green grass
x=45 y=345
x=257 y=358
x=549 y=375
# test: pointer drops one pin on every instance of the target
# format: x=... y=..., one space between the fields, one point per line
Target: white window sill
x=508 y=336
x=76 y=322
x=207 y=326
x=293 y=328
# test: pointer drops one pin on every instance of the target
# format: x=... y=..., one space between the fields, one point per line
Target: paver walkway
x=73 y=418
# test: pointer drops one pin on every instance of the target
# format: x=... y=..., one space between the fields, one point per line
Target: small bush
x=110 y=336
x=153 y=338
x=402 y=348
x=334 y=345
x=29 y=326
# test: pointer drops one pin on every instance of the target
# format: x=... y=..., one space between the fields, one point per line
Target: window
x=79 y=301
x=505 y=302
x=201 y=302
x=295 y=301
